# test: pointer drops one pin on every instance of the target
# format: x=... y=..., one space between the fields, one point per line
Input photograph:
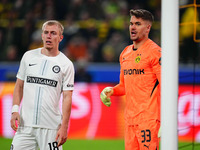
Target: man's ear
x=148 y=28
x=61 y=38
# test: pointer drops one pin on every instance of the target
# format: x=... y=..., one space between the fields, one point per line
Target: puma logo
x=147 y=146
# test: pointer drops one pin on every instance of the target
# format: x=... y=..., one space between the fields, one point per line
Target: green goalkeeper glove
x=104 y=97
x=159 y=133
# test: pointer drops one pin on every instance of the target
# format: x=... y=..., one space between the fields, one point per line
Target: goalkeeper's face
x=139 y=29
x=51 y=37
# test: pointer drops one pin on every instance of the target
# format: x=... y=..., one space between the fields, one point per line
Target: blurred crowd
x=95 y=30
x=189 y=31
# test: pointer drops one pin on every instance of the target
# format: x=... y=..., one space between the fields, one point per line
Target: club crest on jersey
x=56 y=69
x=137 y=59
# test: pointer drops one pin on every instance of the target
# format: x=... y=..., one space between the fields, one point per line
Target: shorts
x=142 y=136
x=30 y=138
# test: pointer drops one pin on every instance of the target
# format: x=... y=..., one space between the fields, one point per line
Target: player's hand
x=159 y=133
x=105 y=96
x=15 y=118
x=61 y=136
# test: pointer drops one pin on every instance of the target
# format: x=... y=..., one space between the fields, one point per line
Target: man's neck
x=138 y=44
x=50 y=52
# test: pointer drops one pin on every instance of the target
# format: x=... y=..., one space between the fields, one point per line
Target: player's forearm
x=118 y=90
x=66 y=116
x=66 y=108
x=18 y=92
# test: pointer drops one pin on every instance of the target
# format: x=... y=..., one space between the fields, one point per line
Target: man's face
x=139 y=29
x=51 y=37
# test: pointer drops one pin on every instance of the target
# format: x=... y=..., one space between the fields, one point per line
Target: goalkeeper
x=140 y=82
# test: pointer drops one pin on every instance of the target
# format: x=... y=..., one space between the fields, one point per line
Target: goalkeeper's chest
x=136 y=65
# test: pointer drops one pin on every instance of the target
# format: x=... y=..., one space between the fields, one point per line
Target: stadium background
x=96 y=31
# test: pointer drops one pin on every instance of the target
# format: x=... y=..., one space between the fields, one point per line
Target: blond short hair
x=53 y=22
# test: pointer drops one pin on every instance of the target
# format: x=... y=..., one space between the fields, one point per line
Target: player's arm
x=17 y=97
x=66 y=111
x=156 y=63
x=117 y=90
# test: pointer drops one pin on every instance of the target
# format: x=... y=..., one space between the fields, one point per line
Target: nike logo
x=32 y=64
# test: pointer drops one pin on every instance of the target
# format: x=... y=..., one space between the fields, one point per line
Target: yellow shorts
x=142 y=136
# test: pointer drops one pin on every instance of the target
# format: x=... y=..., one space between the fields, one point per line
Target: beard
x=134 y=38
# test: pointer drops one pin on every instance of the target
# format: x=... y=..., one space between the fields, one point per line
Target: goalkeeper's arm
x=105 y=95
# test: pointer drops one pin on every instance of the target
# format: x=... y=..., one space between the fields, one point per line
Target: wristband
x=15 y=108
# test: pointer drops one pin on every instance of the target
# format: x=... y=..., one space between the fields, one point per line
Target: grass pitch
x=79 y=144
x=98 y=145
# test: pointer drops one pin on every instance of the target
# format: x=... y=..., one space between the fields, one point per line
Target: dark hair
x=143 y=14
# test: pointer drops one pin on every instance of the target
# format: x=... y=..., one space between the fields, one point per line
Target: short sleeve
x=68 y=79
x=22 y=68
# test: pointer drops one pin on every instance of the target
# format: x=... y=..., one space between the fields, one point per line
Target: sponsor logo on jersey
x=133 y=71
x=43 y=81
x=137 y=59
x=56 y=69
